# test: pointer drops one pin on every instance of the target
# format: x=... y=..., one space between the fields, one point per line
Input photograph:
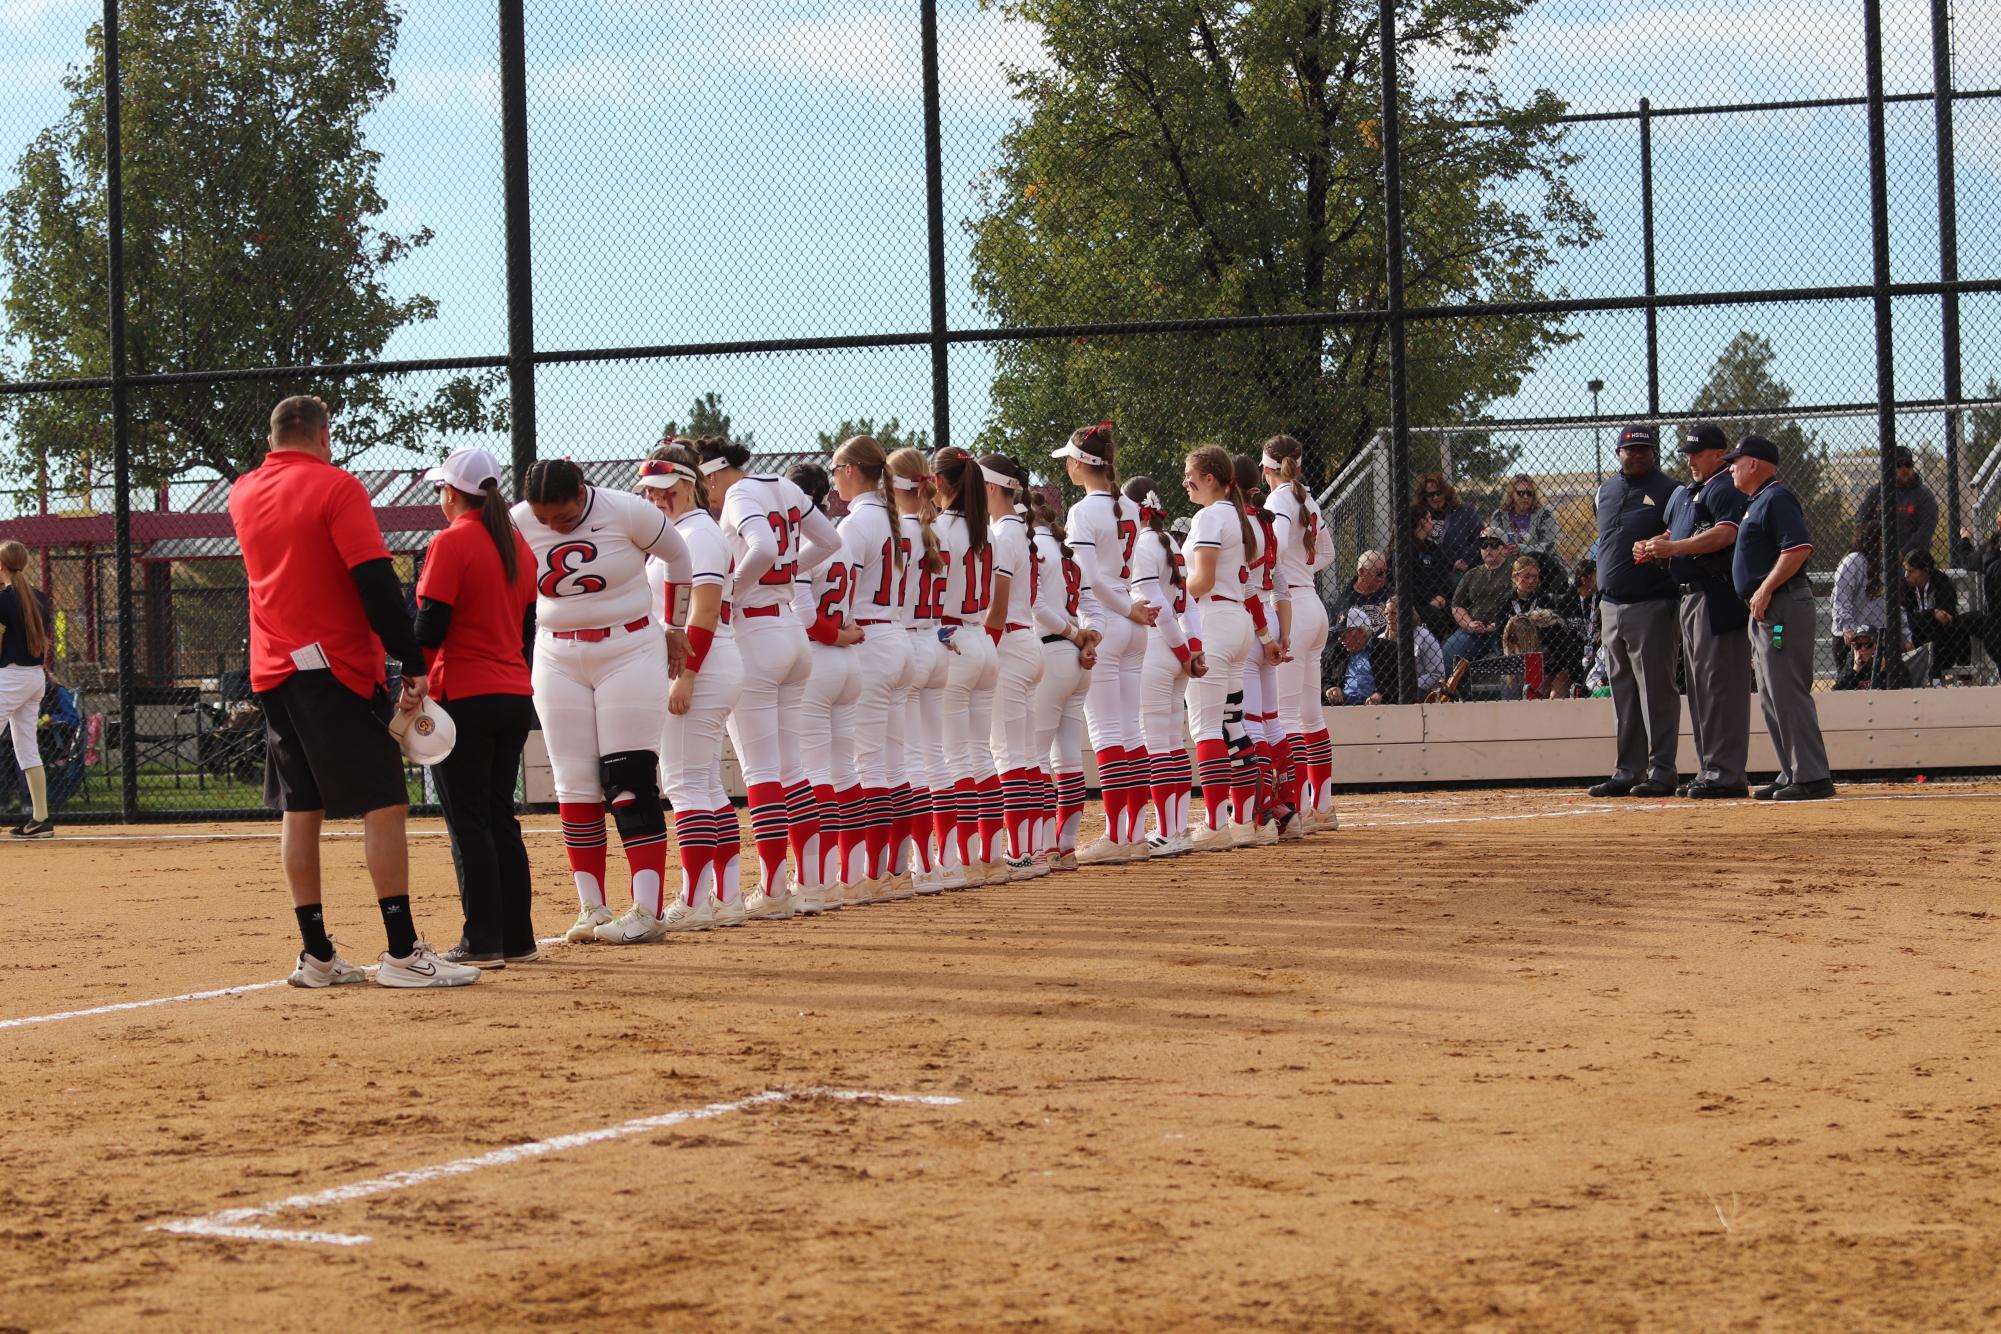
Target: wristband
x=1256 y=607
x=1181 y=654
x=823 y=630
x=1194 y=644
x=699 y=641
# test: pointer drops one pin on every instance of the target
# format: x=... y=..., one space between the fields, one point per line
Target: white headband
x=1020 y=508
x=1000 y=479
x=1269 y=462
x=1071 y=451
x=710 y=467
x=904 y=483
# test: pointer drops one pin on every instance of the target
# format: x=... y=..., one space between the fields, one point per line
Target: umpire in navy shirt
x=1698 y=547
x=1636 y=615
x=1770 y=573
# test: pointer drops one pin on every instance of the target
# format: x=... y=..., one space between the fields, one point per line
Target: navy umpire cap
x=1703 y=436
x=1754 y=447
x=1637 y=437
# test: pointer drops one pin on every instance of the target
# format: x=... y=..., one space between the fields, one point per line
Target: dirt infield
x=1492 y=1060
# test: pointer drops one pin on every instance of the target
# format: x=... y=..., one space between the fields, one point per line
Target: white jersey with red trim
x=1218 y=527
x=829 y=592
x=1009 y=539
x=1057 y=585
x=1295 y=519
x=969 y=575
x=710 y=565
x=594 y=576
x=1154 y=562
x=759 y=511
x=871 y=535
x=924 y=590
x=1104 y=529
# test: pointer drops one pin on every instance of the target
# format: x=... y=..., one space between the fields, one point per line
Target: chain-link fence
x=983 y=222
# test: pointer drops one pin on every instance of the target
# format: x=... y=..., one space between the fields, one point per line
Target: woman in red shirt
x=474 y=601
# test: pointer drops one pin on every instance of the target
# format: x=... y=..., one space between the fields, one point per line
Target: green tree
x=705 y=418
x=891 y=434
x=1742 y=380
x=250 y=200
x=1187 y=158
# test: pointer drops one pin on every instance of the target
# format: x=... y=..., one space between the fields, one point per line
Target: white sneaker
x=1104 y=852
x=927 y=882
x=1265 y=835
x=902 y=885
x=1326 y=821
x=1020 y=868
x=1243 y=835
x=423 y=968
x=636 y=927
x=1063 y=861
x=733 y=913
x=761 y=907
x=1163 y=847
x=681 y=917
x=584 y=929
x=1038 y=865
x=1305 y=822
x=1292 y=832
x=335 y=972
x=1206 y=839
x=952 y=877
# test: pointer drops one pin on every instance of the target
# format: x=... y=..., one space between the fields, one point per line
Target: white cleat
x=1326 y=821
x=1265 y=835
x=805 y=902
x=636 y=927
x=681 y=917
x=927 y=882
x=733 y=913
x=1020 y=868
x=1104 y=852
x=335 y=972
x=952 y=877
x=1292 y=833
x=1243 y=835
x=761 y=907
x=1166 y=847
x=423 y=968
x=1063 y=861
x=1304 y=822
x=902 y=885
x=584 y=929
x=1206 y=839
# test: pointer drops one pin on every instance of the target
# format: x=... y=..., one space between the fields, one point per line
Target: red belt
x=1218 y=597
x=951 y=620
x=601 y=633
x=753 y=612
x=726 y=613
x=1012 y=626
x=871 y=622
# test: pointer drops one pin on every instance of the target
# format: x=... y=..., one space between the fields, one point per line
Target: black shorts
x=328 y=749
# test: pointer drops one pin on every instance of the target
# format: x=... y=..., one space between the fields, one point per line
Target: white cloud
x=25 y=15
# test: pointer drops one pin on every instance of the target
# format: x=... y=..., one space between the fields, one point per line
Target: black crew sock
x=313 y=931
x=396 y=921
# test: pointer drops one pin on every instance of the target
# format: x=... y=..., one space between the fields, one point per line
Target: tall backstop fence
x=1448 y=246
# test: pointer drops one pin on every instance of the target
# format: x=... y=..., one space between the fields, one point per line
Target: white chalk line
x=243 y=990
x=269 y=835
x=236 y=1224
x=1347 y=822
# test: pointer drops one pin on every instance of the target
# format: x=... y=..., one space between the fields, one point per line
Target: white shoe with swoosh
x=423 y=968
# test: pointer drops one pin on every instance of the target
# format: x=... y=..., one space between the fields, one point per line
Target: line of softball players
x=908 y=693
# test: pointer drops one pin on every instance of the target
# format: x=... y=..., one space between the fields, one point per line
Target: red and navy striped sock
x=583 y=844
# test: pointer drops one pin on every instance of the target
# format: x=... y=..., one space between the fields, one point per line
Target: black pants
x=476 y=785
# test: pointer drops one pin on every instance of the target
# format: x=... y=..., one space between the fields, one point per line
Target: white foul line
x=236 y=1225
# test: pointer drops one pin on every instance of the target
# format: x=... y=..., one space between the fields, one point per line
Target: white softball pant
x=1299 y=680
x=1162 y=684
x=1059 y=708
x=21 y=691
x=764 y=725
x=924 y=713
x=691 y=745
x=825 y=720
x=1018 y=674
x=882 y=680
x=1227 y=637
x=597 y=699
x=969 y=705
x=1111 y=706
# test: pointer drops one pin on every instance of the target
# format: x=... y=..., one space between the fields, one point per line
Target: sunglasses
x=1434 y=493
x=1528 y=495
x=1490 y=545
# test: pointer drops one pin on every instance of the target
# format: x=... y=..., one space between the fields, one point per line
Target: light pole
x=1597 y=431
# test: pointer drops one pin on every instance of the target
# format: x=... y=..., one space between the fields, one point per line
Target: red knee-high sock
x=1113 y=792
x=945 y=820
x=1212 y=768
x=1288 y=775
x=853 y=824
x=898 y=830
x=583 y=843
x=1161 y=779
x=1069 y=808
x=1018 y=793
x=917 y=811
x=1267 y=771
x=824 y=848
x=802 y=820
x=769 y=827
x=966 y=796
x=646 y=861
x=1319 y=768
x=993 y=817
x=694 y=845
x=1244 y=782
x=725 y=848
x=876 y=821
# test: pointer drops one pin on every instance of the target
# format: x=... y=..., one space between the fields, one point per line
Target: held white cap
x=426 y=734
x=466 y=470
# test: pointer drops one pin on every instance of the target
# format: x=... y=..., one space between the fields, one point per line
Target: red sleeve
x=351 y=521
x=524 y=572
x=444 y=569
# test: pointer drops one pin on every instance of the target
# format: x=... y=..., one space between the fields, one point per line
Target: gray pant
x=1718 y=672
x=1785 y=685
x=1638 y=639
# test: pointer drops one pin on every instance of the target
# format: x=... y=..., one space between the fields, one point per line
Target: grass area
x=160 y=789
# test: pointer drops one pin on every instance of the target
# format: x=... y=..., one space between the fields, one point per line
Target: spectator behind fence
x=1477 y=602
x=1432 y=574
x=1524 y=522
x=1369 y=587
x=1458 y=523
x=1554 y=635
x=1427 y=658
x=1858 y=588
x=1916 y=506
x=1987 y=561
x=1637 y=620
x=1861 y=666
x=1932 y=615
x=1367 y=673
x=1585 y=584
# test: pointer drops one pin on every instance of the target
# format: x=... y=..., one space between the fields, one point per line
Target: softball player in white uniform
x=1069 y=650
x=775 y=537
x=924 y=709
x=698 y=703
x=599 y=673
x=826 y=717
x=1220 y=544
x=1019 y=654
x=1173 y=653
x=1255 y=764
x=969 y=686
x=883 y=670
x=1302 y=554
x=1103 y=530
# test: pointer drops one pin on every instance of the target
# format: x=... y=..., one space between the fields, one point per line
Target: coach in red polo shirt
x=323 y=602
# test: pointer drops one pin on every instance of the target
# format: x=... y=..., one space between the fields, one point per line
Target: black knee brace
x=631 y=781
x=1233 y=723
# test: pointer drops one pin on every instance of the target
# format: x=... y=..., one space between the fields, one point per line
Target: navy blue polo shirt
x=1632 y=509
x=14 y=642
x=1773 y=524
x=1717 y=501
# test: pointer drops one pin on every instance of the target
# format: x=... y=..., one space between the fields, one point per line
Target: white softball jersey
x=594 y=576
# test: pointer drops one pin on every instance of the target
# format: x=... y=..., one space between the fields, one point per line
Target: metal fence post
x=121 y=415
x=520 y=270
x=934 y=225
x=1886 y=369
x=1647 y=250
x=1948 y=257
x=1404 y=567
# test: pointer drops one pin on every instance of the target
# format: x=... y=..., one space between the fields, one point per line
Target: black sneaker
x=1651 y=788
x=1716 y=792
x=1816 y=791
x=1611 y=787
x=36 y=829
x=463 y=953
x=1772 y=789
x=529 y=955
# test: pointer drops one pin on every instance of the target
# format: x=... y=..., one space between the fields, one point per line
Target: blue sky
x=756 y=170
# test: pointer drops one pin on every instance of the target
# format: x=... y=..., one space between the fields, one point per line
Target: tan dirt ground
x=1663 y=1065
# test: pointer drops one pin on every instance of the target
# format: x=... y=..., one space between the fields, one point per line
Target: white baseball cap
x=467 y=470
x=426 y=733
x=1359 y=619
